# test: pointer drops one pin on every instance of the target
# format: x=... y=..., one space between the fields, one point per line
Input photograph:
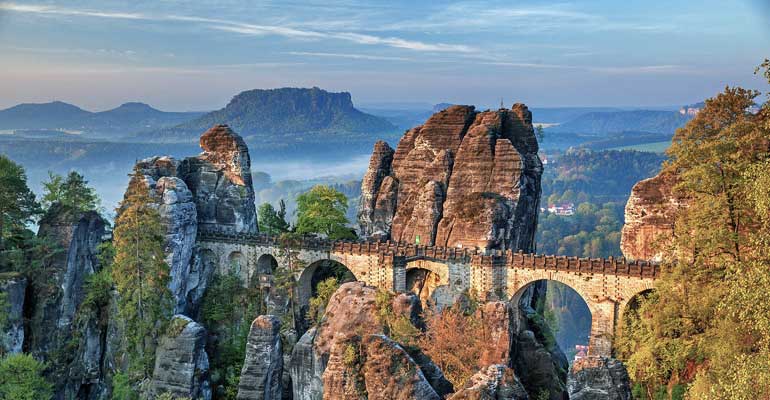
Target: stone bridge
x=441 y=274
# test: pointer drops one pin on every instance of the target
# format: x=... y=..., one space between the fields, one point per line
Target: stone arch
x=266 y=264
x=599 y=333
x=629 y=309
x=316 y=272
x=236 y=261
x=431 y=281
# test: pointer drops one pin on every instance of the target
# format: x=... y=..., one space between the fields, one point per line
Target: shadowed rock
x=261 y=376
x=598 y=378
x=181 y=363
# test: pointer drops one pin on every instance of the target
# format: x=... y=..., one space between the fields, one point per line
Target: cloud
x=247 y=28
x=346 y=55
x=633 y=69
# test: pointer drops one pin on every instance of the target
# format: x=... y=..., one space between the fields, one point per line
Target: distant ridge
x=123 y=120
x=662 y=122
x=286 y=112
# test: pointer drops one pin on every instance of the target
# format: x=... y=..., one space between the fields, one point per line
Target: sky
x=195 y=55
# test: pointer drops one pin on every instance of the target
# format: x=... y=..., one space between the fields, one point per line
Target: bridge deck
x=606 y=266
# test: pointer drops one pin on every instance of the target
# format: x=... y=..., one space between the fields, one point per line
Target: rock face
x=262 y=371
x=390 y=373
x=12 y=289
x=649 y=218
x=598 y=378
x=498 y=319
x=496 y=382
x=464 y=178
x=307 y=368
x=181 y=363
x=209 y=192
x=77 y=235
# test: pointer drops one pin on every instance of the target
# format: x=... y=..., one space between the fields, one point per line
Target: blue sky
x=184 y=55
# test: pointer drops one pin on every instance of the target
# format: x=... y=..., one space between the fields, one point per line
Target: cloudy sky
x=195 y=55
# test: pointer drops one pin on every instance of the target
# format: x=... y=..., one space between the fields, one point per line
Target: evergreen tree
x=72 y=192
x=272 y=221
x=17 y=202
x=140 y=274
x=321 y=210
x=21 y=378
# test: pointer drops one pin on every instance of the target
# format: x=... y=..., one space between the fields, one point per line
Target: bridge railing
x=611 y=265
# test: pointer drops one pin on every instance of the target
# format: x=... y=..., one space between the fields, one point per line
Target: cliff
x=462 y=179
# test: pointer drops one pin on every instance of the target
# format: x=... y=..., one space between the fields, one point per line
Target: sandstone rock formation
x=598 y=378
x=12 y=289
x=649 y=219
x=210 y=192
x=261 y=376
x=307 y=367
x=497 y=317
x=390 y=373
x=464 y=178
x=181 y=363
x=496 y=382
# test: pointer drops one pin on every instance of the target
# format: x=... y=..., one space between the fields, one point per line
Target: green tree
x=72 y=192
x=21 y=378
x=272 y=221
x=321 y=210
x=140 y=275
x=708 y=324
x=17 y=202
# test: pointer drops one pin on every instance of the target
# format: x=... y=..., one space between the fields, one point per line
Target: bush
x=21 y=378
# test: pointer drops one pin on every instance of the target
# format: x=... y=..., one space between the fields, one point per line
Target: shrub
x=21 y=378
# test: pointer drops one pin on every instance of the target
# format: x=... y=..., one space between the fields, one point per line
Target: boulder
x=261 y=376
x=181 y=363
x=12 y=289
x=598 y=378
x=496 y=382
x=464 y=178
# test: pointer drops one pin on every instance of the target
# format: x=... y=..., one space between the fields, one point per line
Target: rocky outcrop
x=220 y=180
x=464 y=178
x=598 y=378
x=74 y=238
x=496 y=382
x=181 y=363
x=12 y=289
x=649 y=219
x=261 y=376
x=374 y=218
x=210 y=192
x=390 y=373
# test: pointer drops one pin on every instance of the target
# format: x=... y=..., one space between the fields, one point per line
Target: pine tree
x=17 y=202
x=140 y=274
x=72 y=192
x=273 y=222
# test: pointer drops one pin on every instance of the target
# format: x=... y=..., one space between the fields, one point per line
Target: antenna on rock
x=501 y=103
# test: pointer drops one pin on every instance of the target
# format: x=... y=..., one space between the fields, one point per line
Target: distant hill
x=665 y=122
x=282 y=114
x=557 y=115
x=126 y=119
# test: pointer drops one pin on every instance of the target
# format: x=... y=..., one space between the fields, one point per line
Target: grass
x=654 y=147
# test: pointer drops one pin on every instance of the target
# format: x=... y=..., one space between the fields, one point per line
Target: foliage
x=98 y=294
x=72 y=192
x=317 y=305
x=228 y=309
x=121 y=388
x=272 y=222
x=21 y=378
x=17 y=202
x=321 y=210
x=455 y=341
x=141 y=275
x=708 y=325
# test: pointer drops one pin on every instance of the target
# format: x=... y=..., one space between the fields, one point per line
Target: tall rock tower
x=463 y=179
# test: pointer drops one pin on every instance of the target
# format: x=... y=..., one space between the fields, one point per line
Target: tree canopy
x=321 y=210
x=272 y=221
x=72 y=192
x=21 y=378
